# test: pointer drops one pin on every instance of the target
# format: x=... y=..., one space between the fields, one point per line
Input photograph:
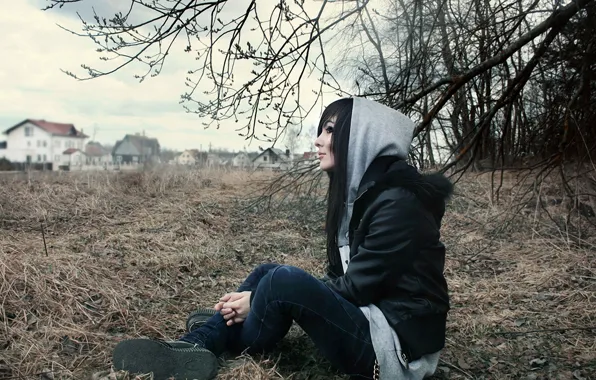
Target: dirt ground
x=88 y=259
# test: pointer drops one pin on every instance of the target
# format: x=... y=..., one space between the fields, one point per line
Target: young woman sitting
x=380 y=312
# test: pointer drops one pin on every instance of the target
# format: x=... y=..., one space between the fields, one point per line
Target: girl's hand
x=228 y=297
x=239 y=306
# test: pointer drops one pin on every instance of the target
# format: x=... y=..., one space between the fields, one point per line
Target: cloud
x=35 y=50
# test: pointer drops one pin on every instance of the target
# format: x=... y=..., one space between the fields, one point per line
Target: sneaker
x=172 y=359
x=198 y=318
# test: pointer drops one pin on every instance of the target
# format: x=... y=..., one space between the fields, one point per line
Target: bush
x=5 y=165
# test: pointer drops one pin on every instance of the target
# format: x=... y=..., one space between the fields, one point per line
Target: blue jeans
x=283 y=294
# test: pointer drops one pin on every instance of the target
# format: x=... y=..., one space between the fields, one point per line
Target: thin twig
x=456 y=368
x=43 y=235
x=31 y=375
x=545 y=330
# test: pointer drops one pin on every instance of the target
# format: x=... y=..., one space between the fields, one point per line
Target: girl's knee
x=264 y=268
x=286 y=276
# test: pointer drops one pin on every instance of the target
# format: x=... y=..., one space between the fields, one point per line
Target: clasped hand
x=234 y=307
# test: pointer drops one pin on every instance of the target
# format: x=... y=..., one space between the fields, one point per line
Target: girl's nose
x=318 y=143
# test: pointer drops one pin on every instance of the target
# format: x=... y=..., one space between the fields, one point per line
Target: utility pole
x=143 y=155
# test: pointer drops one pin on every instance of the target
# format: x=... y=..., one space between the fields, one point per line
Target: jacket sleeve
x=388 y=246
x=328 y=276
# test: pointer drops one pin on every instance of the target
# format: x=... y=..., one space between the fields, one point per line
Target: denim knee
x=286 y=279
x=264 y=268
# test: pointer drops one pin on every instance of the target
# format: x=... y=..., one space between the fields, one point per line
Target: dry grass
x=131 y=254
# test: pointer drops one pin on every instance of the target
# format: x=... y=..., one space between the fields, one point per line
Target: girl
x=380 y=312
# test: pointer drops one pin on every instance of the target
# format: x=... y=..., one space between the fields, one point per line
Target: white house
x=272 y=158
x=242 y=160
x=74 y=158
x=186 y=158
x=191 y=157
x=40 y=141
x=95 y=157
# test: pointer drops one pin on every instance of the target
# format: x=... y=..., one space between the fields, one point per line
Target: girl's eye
x=329 y=129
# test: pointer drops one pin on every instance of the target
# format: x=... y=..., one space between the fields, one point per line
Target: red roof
x=309 y=155
x=70 y=151
x=94 y=149
x=51 y=127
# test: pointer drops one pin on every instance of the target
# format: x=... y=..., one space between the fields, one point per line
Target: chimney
x=287 y=153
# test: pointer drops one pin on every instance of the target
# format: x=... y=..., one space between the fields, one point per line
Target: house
x=2 y=149
x=41 y=142
x=133 y=149
x=242 y=160
x=217 y=158
x=213 y=160
x=97 y=155
x=72 y=159
x=191 y=157
x=273 y=158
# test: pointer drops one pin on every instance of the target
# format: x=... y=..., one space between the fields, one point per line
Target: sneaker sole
x=142 y=356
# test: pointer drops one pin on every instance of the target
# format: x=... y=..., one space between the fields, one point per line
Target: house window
x=39 y=158
x=264 y=158
x=44 y=158
x=28 y=131
x=28 y=143
x=57 y=158
x=28 y=159
x=45 y=143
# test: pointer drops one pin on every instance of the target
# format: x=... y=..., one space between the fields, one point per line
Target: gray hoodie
x=377 y=130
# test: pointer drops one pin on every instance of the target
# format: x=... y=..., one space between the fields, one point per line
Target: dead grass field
x=131 y=254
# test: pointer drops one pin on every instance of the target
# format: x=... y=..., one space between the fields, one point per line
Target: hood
x=375 y=130
x=382 y=135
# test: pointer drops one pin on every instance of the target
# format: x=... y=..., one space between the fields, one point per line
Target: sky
x=35 y=50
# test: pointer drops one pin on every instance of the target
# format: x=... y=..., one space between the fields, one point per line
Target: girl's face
x=324 y=145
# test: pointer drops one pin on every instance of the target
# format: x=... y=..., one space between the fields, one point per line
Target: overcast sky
x=34 y=49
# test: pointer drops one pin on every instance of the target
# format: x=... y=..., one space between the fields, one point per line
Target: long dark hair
x=337 y=193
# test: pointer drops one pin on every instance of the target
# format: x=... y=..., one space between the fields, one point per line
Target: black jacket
x=396 y=256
